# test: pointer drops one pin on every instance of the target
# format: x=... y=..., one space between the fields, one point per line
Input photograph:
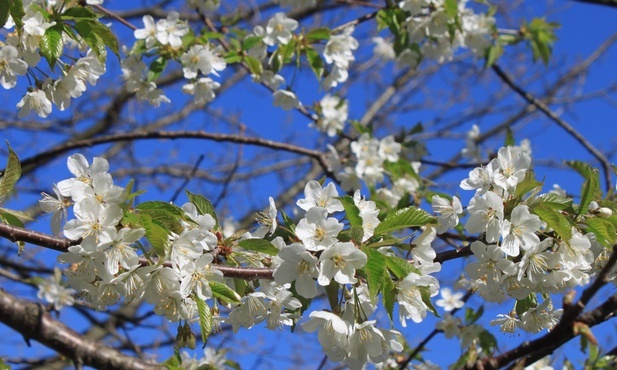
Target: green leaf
x=18 y=214
x=400 y=267
x=51 y=44
x=259 y=245
x=375 y=270
x=603 y=229
x=254 y=65
x=165 y=213
x=426 y=299
x=11 y=173
x=471 y=315
x=581 y=167
x=203 y=205
x=108 y=37
x=556 y=221
x=156 y=235
x=318 y=34
x=553 y=201
x=541 y=36
x=10 y=219
x=400 y=168
x=332 y=292
x=276 y=61
x=4 y=16
x=493 y=53
x=591 y=186
x=315 y=61
x=451 y=7
x=523 y=305
x=288 y=51
x=487 y=342
x=388 y=294
x=224 y=293
x=205 y=319
x=528 y=184
x=288 y=221
x=16 y=8
x=4 y=366
x=404 y=218
x=79 y=12
x=156 y=68
x=250 y=42
x=91 y=38
x=509 y=137
x=351 y=210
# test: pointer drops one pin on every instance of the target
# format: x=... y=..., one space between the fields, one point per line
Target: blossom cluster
x=179 y=271
x=517 y=255
x=20 y=53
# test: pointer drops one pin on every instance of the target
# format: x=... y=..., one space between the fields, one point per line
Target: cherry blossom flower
x=450 y=301
x=409 y=296
x=11 y=66
x=148 y=33
x=279 y=29
x=300 y=266
x=285 y=99
x=520 y=231
x=35 y=100
x=171 y=30
x=340 y=262
x=316 y=231
x=316 y=196
x=447 y=212
x=52 y=290
x=267 y=221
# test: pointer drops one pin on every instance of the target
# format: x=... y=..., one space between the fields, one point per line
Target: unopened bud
x=604 y=212
x=185 y=337
x=593 y=205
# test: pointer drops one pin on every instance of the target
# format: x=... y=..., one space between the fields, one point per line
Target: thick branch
x=33 y=322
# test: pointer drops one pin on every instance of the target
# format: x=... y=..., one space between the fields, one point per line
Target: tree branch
x=202 y=135
x=33 y=322
x=530 y=98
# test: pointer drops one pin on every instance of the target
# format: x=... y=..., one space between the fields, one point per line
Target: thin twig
x=530 y=98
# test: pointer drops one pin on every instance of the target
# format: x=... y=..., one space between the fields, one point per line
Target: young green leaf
x=523 y=305
x=603 y=229
x=318 y=34
x=91 y=38
x=11 y=173
x=351 y=210
x=205 y=319
x=375 y=270
x=224 y=293
x=203 y=205
x=79 y=12
x=388 y=294
x=399 y=267
x=259 y=245
x=156 y=234
x=405 y=218
x=556 y=221
x=51 y=44
x=254 y=65
x=590 y=187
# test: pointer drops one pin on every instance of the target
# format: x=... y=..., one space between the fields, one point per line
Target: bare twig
x=606 y=165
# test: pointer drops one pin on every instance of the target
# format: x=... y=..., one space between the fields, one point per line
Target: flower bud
x=604 y=212
x=185 y=337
